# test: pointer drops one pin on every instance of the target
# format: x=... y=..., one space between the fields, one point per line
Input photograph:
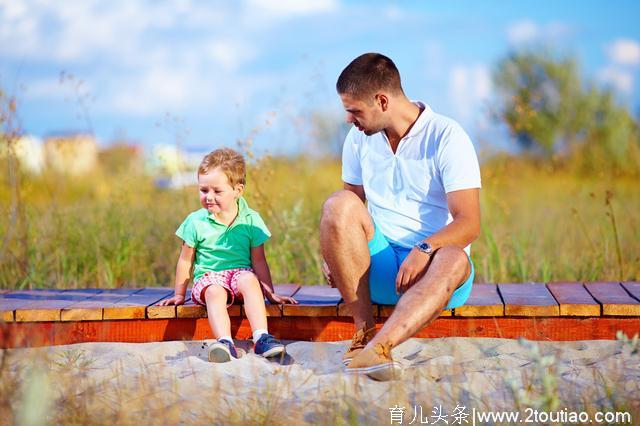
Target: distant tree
x=551 y=112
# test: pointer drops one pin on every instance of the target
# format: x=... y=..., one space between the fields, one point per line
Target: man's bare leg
x=427 y=298
x=345 y=229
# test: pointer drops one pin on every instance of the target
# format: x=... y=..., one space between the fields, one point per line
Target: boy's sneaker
x=268 y=346
x=222 y=351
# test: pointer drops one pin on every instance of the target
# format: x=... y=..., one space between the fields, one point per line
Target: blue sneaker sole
x=278 y=350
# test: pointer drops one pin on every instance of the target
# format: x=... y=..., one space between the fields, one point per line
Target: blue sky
x=210 y=73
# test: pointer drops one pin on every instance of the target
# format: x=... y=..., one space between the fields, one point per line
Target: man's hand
x=175 y=300
x=413 y=267
x=327 y=274
x=280 y=300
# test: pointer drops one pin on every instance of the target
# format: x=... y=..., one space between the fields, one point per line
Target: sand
x=173 y=380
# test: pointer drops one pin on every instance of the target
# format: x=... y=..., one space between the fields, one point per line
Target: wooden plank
x=633 y=288
x=91 y=309
x=528 y=299
x=274 y=310
x=8 y=307
x=162 y=312
x=47 y=305
x=344 y=312
x=484 y=301
x=6 y=314
x=25 y=334
x=385 y=311
x=135 y=305
x=316 y=300
x=614 y=299
x=191 y=310
x=574 y=299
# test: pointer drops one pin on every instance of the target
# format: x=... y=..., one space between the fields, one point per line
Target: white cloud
x=469 y=86
x=527 y=31
x=46 y=88
x=159 y=90
x=620 y=79
x=394 y=13
x=522 y=32
x=624 y=52
x=288 y=8
x=230 y=54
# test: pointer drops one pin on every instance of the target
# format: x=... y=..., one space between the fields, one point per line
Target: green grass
x=117 y=229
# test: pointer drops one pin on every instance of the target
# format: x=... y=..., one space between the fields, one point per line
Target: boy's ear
x=240 y=188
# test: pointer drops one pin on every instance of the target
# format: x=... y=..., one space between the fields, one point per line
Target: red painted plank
x=484 y=301
x=308 y=328
x=633 y=288
x=528 y=299
x=614 y=299
x=574 y=299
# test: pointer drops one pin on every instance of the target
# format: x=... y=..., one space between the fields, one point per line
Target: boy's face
x=216 y=193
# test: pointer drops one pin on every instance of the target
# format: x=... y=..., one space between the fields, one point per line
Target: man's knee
x=456 y=260
x=339 y=207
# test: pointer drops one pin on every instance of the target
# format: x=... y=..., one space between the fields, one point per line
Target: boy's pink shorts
x=227 y=279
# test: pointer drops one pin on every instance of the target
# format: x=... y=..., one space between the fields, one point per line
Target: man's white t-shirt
x=406 y=191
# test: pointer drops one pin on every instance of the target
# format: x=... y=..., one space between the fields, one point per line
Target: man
x=409 y=246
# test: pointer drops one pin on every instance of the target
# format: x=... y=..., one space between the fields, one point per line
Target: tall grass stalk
x=612 y=216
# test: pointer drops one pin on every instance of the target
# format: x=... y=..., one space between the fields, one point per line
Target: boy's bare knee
x=247 y=281
x=215 y=293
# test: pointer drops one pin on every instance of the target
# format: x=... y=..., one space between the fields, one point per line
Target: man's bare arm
x=464 y=206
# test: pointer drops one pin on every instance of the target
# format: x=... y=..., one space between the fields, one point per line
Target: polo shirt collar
x=243 y=211
x=422 y=120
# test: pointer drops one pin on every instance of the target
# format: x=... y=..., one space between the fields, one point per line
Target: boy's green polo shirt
x=220 y=247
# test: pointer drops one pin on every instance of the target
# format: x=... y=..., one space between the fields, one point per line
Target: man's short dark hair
x=368 y=74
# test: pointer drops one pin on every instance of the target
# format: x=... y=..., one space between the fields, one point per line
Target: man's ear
x=383 y=101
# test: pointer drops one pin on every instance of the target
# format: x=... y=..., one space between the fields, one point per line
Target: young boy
x=224 y=243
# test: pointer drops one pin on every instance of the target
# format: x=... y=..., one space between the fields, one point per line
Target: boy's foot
x=358 y=342
x=376 y=363
x=222 y=351
x=268 y=346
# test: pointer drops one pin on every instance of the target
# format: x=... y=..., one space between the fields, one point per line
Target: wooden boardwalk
x=536 y=311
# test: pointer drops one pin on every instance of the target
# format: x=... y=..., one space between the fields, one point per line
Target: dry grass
x=117 y=229
x=77 y=385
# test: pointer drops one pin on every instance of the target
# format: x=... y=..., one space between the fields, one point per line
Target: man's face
x=366 y=116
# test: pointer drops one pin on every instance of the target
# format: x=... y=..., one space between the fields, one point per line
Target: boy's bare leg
x=254 y=308
x=345 y=229
x=427 y=298
x=216 y=298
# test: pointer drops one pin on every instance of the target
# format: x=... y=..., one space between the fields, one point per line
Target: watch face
x=424 y=247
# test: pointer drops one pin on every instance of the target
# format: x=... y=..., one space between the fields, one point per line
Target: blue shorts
x=386 y=258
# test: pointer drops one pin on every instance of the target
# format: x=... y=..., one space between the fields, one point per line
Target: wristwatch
x=424 y=247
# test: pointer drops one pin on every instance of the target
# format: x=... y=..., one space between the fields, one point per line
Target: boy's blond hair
x=230 y=162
